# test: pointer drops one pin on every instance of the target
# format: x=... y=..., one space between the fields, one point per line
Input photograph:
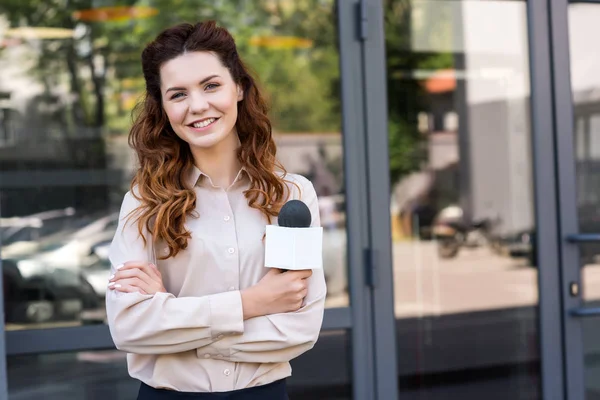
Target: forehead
x=191 y=68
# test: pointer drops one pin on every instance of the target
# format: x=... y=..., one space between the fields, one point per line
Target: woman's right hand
x=277 y=292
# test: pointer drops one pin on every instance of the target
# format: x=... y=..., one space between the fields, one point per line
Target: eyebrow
x=208 y=78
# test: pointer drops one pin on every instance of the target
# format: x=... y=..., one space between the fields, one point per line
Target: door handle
x=583 y=237
x=585 y=312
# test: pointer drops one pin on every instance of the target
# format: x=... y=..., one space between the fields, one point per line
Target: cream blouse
x=194 y=338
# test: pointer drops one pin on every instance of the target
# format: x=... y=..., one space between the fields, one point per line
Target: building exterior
x=454 y=145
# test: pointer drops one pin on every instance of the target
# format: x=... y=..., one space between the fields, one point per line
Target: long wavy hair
x=165 y=160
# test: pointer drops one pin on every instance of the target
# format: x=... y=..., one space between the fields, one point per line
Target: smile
x=204 y=123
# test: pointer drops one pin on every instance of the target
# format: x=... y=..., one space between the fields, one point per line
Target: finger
x=304 y=284
x=301 y=274
x=157 y=280
x=130 y=264
x=274 y=271
x=299 y=286
x=132 y=282
x=132 y=273
x=154 y=272
x=307 y=273
x=127 y=289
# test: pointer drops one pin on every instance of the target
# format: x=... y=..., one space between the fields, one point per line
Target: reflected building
x=452 y=145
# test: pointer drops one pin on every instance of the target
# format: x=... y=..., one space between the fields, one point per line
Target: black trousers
x=272 y=391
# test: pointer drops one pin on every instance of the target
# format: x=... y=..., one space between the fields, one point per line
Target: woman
x=190 y=298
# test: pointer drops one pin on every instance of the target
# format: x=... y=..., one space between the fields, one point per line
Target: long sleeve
x=279 y=337
x=163 y=323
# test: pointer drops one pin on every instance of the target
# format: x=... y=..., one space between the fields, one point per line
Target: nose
x=198 y=103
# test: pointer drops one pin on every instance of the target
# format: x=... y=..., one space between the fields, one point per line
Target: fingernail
x=110 y=277
x=120 y=266
x=117 y=285
x=110 y=284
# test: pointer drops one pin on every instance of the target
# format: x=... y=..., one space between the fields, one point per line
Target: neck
x=219 y=162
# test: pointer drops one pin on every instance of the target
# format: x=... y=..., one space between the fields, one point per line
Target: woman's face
x=200 y=99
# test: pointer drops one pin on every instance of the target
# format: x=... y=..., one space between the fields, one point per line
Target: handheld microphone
x=295 y=214
x=294 y=245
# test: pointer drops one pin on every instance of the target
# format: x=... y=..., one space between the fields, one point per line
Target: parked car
x=45 y=277
x=22 y=234
x=46 y=295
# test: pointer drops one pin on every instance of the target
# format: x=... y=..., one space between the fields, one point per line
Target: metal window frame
x=97 y=337
x=378 y=179
x=570 y=268
x=546 y=203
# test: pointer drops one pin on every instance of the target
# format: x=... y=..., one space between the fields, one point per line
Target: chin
x=205 y=142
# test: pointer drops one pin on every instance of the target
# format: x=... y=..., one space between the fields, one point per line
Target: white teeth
x=204 y=123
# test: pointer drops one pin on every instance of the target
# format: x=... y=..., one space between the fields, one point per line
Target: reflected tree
x=406 y=95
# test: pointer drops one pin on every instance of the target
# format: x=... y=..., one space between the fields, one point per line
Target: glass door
x=463 y=138
x=577 y=97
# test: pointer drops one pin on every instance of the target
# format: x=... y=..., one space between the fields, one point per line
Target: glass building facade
x=453 y=147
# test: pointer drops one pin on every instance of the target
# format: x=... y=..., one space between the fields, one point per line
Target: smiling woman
x=200 y=99
x=205 y=151
x=168 y=145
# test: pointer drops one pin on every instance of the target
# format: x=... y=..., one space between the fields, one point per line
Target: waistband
x=271 y=391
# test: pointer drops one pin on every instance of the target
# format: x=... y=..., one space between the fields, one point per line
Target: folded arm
x=276 y=337
x=162 y=323
x=280 y=337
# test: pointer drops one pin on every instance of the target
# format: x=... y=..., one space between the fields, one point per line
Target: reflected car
x=45 y=280
x=22 y=234
x=75 y=250
x=48 y=295
x=97 y=274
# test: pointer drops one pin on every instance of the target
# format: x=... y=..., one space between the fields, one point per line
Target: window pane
x=465 y=271
x=70 y=76
x=91 y=375
x=586 y=110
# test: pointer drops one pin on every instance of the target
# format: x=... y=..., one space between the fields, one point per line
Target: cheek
x=175 y=113
x=227 y=103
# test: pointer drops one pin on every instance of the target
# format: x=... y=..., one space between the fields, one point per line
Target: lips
x=203 y=123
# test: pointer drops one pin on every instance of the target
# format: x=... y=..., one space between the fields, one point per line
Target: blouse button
x=227 y=372
x=226 y=218
x=231 y=250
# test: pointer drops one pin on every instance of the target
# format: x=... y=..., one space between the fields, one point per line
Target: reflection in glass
x=69 y=79
x=103 y=374
x=583 y=23
x=465 y=271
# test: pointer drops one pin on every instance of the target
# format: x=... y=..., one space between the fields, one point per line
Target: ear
x=240 y=93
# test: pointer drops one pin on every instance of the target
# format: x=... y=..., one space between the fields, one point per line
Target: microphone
x=293 y=244
x=295 y=214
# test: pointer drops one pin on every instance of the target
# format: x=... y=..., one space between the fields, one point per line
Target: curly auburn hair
x=165 y=160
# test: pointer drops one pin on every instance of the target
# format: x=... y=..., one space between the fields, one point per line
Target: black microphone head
x=294 y=214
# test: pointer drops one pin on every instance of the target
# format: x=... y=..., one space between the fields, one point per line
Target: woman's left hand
x=136 y=276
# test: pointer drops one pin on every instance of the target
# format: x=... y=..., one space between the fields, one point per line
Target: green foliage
x=101 y=66
x=301 y=83
x=406 y=95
